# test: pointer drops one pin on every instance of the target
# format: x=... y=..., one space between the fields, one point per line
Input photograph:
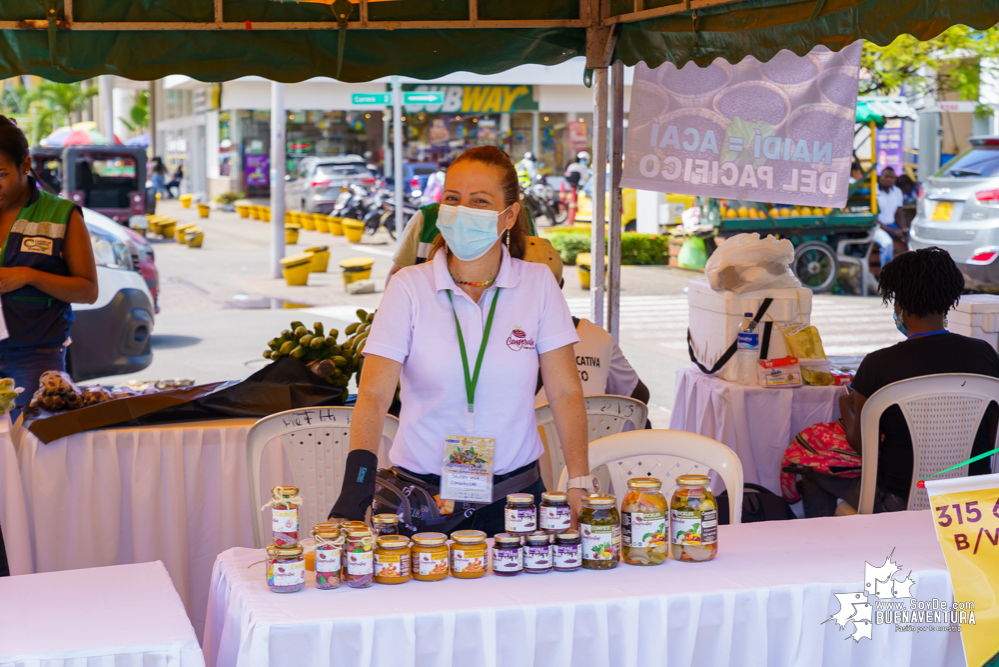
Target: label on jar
x=432 y=562
x=537 y=558
x=469 y=560
x=284 y=521
x=328 y=560
x=507 y=560
x=644 y=529
x=555 y=517
x=288 y=573
x=568 y=556
x=693 y=528
x=601 y=542
x=521 y=520
x=392 y=564
x=360 y=563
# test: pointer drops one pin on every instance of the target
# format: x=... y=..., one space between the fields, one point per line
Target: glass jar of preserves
x=521 y=516
x=693 y=519
x=555 y=515
x=600 y=525
x=430 y=556
x=468 y=554
x=285 y=568
x=508 y=556
x=345 y=528
x=284 y=504
x=643 y=523
x=360 y=557
x=385 y=524
x=392 y=559
x=537 y=553
x=328 y=555
x=567 y=552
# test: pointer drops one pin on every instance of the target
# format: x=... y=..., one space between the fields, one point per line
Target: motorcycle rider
x=578 y=173
x=527 y=169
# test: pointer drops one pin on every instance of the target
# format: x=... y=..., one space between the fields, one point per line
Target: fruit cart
x=816 y=234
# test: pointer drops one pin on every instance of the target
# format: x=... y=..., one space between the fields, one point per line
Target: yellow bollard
x=180 y=232
x=306 y=220
x=320 y=258
x=356 y=268
x=352 y=229
x=322 y=222
x=194 y=238
x=243 y=210
x=185 y=200
x=203 y=210
x=265 y=213
x=295 y=268
x=291 y=235
x=336 y=228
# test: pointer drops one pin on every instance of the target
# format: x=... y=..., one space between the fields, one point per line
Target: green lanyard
x=472 y=380
x=921 y=484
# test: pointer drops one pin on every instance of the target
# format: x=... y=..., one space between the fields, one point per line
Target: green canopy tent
x=877 y=110
x=217 y=40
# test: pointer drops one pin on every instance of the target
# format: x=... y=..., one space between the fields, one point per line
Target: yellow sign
x=966 y=514
x=474 y=99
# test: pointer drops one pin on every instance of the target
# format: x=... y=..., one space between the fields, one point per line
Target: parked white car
x=113 y=335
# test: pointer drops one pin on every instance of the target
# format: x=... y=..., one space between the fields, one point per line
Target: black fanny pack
x=415 y=501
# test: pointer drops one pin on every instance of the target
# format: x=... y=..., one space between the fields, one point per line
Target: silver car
x=958 y=211
x=315 y=185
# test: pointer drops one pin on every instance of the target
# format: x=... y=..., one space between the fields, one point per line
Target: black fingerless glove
x=358 y=486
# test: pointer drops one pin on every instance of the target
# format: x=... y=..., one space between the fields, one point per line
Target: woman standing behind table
x=469 y=328
x=46 y=263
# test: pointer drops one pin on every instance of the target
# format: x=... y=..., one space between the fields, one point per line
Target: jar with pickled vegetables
x=468 y=554
x=392 y=559
x=430 y=556
x=385 y=524
x=285 y=568
x=360 y=557
x=328 y=555
x=643 y=523
x=284 y=504
x=600 y=525
x=693 y=520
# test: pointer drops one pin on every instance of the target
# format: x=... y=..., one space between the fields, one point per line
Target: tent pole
x=277 y=177
x=107 y=105
x=397 y=156
x=614 y=235
x=599 y=195
x=874 y=168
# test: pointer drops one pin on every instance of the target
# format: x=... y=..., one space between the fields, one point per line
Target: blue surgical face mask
x=900 y=325
x=469 y=232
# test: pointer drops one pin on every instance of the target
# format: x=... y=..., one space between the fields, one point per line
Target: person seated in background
x=891 y=220
x=922 y=286
x=602 y=366
x=909 y=189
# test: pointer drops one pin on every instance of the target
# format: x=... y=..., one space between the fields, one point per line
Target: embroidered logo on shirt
x=518 y=340
x=38 y=244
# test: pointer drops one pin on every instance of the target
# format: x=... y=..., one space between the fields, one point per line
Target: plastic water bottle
x=747 y=355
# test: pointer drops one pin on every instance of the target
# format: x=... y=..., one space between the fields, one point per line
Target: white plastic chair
x=316 y=442
x=606 y=414
x=943 y=413
x=666 y=455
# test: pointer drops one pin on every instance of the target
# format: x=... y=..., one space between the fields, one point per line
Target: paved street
x=219 y=306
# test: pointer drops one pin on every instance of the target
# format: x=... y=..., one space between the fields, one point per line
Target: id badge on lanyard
x=467 y=470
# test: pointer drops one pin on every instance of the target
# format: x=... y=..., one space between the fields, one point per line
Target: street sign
x=375 y=99
x=431 y=97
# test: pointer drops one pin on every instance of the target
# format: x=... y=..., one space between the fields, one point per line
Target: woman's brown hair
x=516 y=236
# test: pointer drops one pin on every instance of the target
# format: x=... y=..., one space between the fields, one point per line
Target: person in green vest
x=421 y=231
x=46 y=263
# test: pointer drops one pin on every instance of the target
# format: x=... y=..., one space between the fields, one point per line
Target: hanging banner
x=778 y=132
x=889 y=143
x=579 y=139
x=966 y=516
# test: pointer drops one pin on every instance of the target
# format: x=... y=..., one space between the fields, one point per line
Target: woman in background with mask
x=466 y=331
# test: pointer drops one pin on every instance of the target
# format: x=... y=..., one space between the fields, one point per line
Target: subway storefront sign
x=475 y=99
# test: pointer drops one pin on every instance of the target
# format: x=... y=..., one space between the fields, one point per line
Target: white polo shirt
x=415 y=326
x=888 y=203
x=601 y=364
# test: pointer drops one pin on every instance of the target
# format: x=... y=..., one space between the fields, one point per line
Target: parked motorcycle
x=542 y=200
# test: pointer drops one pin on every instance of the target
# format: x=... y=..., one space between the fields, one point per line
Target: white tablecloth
x=762 y=601
x=757 y=423
x=122 y=616
x=177 y=494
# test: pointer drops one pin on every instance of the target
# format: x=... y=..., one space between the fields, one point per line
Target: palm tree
x=45 y=106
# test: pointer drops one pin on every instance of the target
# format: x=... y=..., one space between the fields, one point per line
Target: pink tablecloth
x=762 y=601
x=121 y=616
x=757 y=423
